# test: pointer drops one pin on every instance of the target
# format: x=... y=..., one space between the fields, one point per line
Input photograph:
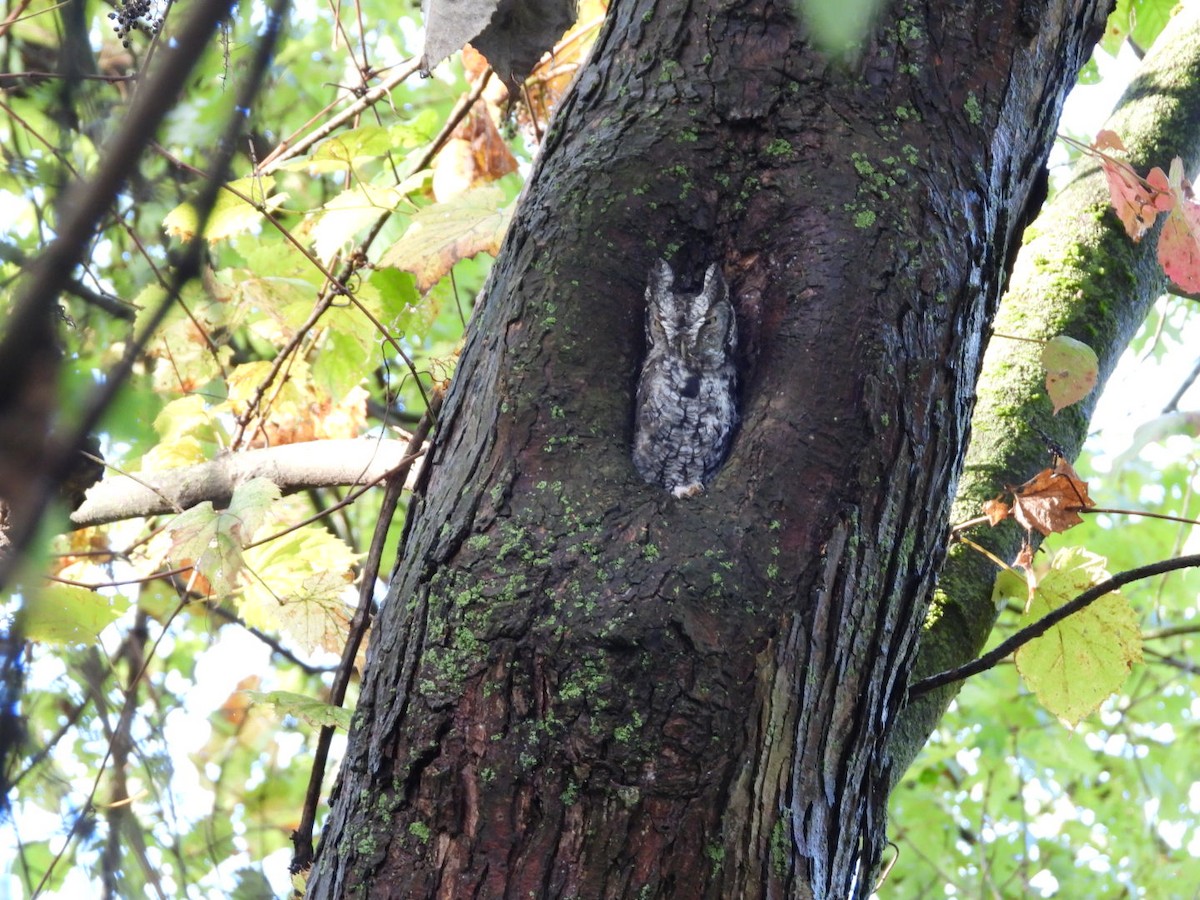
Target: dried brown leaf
x=1050 y=501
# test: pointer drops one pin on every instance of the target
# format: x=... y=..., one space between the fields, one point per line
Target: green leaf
x=307 y=709
x=273 y=295
x=250 y=502
x=252 y=884
x=201 y=538
x=1079 y=662
x=212 y=541
x=36 y=859
x=343 y=361
x=67 y=614
x=1071 y=370
x=349 y=150
x=1139 y=20
x=838 y=27
x=230 y=215
x=345 y=147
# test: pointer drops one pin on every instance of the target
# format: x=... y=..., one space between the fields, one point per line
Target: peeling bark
x=582 y=686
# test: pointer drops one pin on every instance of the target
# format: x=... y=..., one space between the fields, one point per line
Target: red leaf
x=1137 y=201
x=1179 y=243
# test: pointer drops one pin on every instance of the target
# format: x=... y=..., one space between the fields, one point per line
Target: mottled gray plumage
x=687 y=394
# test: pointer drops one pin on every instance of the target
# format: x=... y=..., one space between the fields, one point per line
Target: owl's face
x=700 y=329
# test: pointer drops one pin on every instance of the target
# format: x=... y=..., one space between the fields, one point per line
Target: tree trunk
x=580 y=685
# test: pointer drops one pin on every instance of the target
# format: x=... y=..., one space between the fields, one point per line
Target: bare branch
x=293 y=467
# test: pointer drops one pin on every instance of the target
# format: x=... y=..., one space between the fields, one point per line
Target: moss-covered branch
x=1077 y=274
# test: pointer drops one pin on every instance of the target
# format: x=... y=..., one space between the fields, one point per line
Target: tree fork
x=581 y=686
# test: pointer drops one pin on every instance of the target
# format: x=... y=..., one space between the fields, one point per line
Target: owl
x=686 y=407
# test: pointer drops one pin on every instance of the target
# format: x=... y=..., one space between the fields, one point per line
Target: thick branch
x=293 y=467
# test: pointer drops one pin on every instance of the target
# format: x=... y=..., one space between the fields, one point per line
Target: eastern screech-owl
x=686 y=396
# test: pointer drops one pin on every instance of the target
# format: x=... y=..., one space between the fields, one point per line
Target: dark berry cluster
x=144 y=15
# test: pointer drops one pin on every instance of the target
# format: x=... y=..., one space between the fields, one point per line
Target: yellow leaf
x=348 y=213
x=1079 y=662
x=300 y=588
x=440 y=235
x=230 y=214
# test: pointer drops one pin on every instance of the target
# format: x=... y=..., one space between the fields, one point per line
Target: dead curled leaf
x=1050 y=501
x=1137 y=201
x=1047 y=503
x=996 y=511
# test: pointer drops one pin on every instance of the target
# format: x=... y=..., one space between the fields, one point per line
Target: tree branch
x=114 y=306
x=1048 y=621
x=293 y=467
x=1054 y=289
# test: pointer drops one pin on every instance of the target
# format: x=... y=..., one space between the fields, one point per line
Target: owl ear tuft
x=715 y=290
x=661 y=278
x=660 y=302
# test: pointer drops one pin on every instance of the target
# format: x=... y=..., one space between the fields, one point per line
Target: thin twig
x=1173 y=403
x=1145 y=514
x=1048 y=621
x=274 y=644
x=302 y=854
x=281 y=154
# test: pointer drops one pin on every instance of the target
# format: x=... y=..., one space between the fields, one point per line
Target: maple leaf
x=211 y=541
x=1179 y=243
x=300 y=588
x=1083 y=659
x=438 y=236
x=1137 y=201
x=1050 y=501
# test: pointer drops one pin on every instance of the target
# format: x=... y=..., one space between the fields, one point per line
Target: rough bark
x=581 y=686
